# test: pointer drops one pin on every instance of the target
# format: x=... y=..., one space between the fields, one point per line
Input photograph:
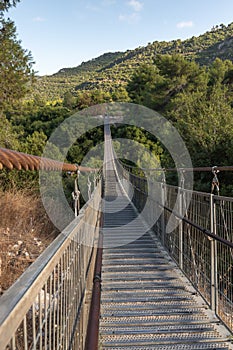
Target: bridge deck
x=146 y=302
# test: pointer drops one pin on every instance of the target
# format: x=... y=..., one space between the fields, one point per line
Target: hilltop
x=110 y=71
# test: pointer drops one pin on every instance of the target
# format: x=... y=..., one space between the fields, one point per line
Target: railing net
x=47 y=308
x=206 y=259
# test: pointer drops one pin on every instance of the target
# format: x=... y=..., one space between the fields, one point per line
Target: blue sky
x=65 y=33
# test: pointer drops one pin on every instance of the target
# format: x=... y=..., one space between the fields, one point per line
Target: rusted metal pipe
x=92 y=337
x=17 y=160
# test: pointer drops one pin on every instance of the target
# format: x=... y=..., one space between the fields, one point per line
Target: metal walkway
x=146 y=302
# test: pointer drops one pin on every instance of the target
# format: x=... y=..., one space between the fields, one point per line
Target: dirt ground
x=25 y=231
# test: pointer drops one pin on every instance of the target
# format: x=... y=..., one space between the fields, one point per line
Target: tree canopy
x=15 y=65
x=6 y=4
x=15 y=73
x=197 y=100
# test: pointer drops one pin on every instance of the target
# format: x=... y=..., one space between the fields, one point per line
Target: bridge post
x=181 y=204
x=163 y=199
x=213 y=252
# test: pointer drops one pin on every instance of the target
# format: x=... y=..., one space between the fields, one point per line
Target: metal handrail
x=183 y=218
x=35 y=310
x=206 y=232
x=178 y=169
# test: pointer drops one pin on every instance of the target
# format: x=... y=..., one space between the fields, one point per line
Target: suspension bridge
x=111 y=281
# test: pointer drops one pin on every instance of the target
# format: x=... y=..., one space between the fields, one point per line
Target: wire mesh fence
x=201 y=241
x=47 y=308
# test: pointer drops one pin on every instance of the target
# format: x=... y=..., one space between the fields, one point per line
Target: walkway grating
x=146 y=302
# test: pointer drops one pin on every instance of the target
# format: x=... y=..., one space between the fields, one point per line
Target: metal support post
x=181 y=204
x=213 y=252
x=163 y=199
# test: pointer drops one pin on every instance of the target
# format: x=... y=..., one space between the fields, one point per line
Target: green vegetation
x=198 y=101
x=112 y=71
x=6 y=4
x=16 y=74
x=189 y=82
x=15 y=67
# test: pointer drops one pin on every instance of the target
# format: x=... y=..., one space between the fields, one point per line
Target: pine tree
x=15 y=73
x=15 y=65
x=6 y=4
x=15 y=62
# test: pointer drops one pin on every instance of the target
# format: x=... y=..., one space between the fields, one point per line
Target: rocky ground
x=25 y=231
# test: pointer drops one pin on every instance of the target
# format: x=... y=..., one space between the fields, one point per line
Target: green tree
x=120 y=95
x=69 y=100
x=219 y=70
x=15 y=65
x=180 y=75
x=8 y=138
x=205 y=122
x=35 y=143
x=156 y=85
x=6 y=4
x=143 y=83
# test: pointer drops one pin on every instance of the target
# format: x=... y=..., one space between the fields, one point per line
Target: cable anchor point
x=215 y=181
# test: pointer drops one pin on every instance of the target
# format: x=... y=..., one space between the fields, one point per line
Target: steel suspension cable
x=10 y=160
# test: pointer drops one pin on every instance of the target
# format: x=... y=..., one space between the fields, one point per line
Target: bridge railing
x=47 y=308
x=201 y=242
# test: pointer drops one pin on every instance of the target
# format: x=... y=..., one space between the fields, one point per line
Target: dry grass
x=25 y=231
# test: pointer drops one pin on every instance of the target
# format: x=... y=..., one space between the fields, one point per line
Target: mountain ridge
x=112 y=70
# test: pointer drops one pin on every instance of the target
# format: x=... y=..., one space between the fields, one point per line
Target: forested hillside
x=112 y=70
x=186 y=81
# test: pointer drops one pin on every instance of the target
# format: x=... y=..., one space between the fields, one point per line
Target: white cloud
x=38 y=19
x=108 y=2
x=93 y=8
x=187 y=24
x=132 y=18
x=98 y=7
x=136 y=5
